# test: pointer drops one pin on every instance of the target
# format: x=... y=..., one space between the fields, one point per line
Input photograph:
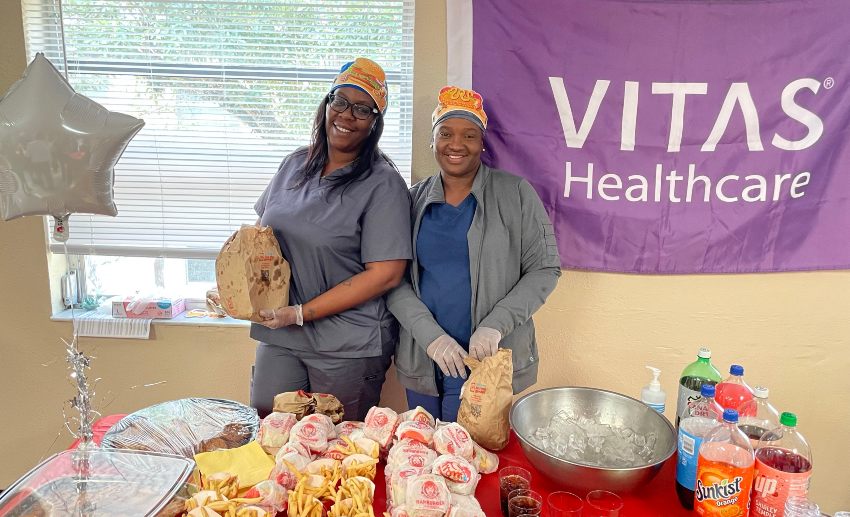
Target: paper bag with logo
x=251 y=273
x=299 y=403
x=486 y=399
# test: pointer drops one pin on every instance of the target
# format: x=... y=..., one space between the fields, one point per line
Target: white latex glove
x=484 y=342
x=282 y=317
x=448 y=355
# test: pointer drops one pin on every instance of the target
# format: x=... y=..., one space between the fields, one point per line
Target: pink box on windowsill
x=151 y=308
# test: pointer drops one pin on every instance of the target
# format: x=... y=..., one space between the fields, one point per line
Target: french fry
x=225 y=483
x=311 y=508
x=305 y=499
x=226 y=507
x=247 y=500
x=364 y=484
x=341 y=508
x=368 y=447
x=354 y=498
x=294 y=504
x=341 y=450
x=203 y=511
x=350 y=443
x=251 y=511
x=203 y=498
x=359 y=465
x=331 y=474
x=299 y=490
x=292 y=468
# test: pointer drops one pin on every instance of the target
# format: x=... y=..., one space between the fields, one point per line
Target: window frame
x=401 y=76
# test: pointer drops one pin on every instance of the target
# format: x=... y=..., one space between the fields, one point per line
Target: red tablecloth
x=99 y=429
x=657 y=499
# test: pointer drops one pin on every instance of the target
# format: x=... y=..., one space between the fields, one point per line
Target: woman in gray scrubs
x=341 y=213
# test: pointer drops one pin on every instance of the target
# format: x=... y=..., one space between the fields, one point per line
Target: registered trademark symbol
x=828 y=83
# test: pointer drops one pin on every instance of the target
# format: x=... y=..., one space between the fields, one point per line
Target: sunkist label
x=723 y=493
x=772 y=487
x=722 y=489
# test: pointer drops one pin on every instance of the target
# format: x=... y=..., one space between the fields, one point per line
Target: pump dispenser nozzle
x=655 y=384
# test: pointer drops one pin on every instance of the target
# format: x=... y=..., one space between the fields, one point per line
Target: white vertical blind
x=227 y=88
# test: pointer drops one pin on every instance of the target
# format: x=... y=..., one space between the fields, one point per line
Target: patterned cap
x=366 y=75
x=454 y=101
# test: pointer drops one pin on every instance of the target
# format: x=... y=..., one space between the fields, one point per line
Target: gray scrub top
x=327 y=239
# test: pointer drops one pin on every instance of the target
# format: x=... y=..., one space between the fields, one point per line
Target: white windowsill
x=180 y=319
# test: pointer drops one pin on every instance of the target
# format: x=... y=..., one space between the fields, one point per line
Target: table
x=658 y=498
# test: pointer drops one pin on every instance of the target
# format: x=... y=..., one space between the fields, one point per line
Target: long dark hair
x=317 y=152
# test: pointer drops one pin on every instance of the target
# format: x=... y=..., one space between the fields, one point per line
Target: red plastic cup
x=564 y=504
x=601 y=503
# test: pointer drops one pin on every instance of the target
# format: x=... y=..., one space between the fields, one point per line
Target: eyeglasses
x=360 y=111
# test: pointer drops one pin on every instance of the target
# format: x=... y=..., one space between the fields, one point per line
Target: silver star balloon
x=58 y=149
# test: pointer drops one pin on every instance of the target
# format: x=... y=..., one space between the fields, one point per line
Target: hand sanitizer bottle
x=652 y=395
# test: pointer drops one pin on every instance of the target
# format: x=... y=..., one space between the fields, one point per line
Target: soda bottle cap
x=731 y=416
x=704 y=352
x=788 y=419
x=707 y=390
x=736 y=369
x=761 y=392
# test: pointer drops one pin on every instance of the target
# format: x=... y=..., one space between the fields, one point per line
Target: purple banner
x=675 y=137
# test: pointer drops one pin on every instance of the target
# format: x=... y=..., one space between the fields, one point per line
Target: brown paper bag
x=329 y=405
x=251 y=273
x=486 y=398
x=299 y=403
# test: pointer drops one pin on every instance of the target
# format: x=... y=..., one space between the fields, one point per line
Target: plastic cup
x=564 y=504
x=601 y=503
x=510 y=479
x=524 y=502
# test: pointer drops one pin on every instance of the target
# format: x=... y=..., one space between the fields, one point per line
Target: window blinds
x=227 y=88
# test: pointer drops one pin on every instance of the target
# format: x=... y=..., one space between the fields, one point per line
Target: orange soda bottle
x=724 y=471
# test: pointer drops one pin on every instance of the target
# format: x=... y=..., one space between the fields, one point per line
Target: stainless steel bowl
x=536 y=409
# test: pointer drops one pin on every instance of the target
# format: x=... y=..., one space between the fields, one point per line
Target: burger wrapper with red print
x=381 y=423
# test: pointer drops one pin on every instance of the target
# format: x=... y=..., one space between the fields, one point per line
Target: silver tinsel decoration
x=82 y=420
x=80 y=425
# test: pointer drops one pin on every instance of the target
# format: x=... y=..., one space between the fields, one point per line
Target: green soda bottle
x=693 y=377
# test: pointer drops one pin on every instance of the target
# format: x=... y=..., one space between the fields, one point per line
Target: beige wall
x=789 y=330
